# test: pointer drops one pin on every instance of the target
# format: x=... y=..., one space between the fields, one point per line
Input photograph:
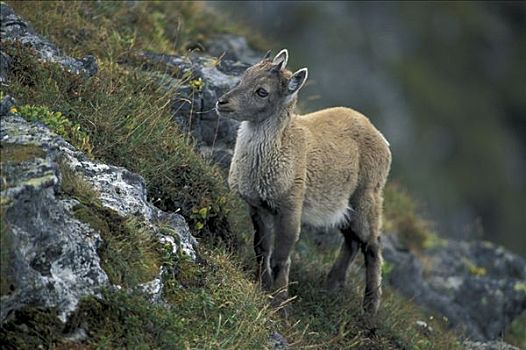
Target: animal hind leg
x=348 y=250
x=366 y=224
x=373 y=276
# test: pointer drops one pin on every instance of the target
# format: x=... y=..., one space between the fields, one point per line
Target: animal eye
x=262 y=92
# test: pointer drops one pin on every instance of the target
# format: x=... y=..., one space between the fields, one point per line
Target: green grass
x=401 y=216
x=334 y=320
x=516 y=332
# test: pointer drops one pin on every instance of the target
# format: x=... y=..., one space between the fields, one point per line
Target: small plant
x=474 y=269
x=60 y=124
x=197 y=84
x=401 y=217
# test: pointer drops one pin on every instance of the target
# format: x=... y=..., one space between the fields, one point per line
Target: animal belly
x=326 y=215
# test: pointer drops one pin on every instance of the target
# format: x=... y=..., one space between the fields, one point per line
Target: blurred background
x=444 y=82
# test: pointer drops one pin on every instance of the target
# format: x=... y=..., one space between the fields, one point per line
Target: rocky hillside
x=112 y=173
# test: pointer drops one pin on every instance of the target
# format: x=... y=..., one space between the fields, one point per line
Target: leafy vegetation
x=401 y=217
x=516 y=333
x=59 y=124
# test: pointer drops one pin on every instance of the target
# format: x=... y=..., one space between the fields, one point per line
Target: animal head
x=264 y=91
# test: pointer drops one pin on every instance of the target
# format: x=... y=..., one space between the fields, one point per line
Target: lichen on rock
x=53 y=257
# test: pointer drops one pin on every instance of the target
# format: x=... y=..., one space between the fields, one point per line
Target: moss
x=6 y=249
x=474 y=269
x=31 y=328
x=16 y=153
x=402 y=218
x=516 y=332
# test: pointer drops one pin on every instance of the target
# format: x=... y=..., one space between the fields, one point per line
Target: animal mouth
x=223 y=109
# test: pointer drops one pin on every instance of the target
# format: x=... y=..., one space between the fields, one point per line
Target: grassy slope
x=213 y=304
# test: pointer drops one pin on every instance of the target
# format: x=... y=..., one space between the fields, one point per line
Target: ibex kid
x=312 y=169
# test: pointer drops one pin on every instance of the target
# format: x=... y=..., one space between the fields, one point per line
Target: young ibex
x=312 y=169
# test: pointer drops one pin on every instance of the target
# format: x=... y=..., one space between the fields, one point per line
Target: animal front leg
x=287 y=233
x=262 y=245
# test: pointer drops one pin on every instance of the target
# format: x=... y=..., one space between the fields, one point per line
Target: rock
x=490 y=345
x=52 y=258
x=14 y=28
x=194 y=107
x=476 y=285
x=278 y=342
x=6 y=104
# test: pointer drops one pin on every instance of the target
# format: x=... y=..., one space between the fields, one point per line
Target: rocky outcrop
x=49 y=257
x=489 y=345
x=14 y=28
x=207 y=76
x=478 y=286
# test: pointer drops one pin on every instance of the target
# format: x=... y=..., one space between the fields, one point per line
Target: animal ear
x=297 y=80
x=267 y=55
x=280 y=61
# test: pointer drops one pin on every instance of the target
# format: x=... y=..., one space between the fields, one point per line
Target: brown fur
x=312 y=169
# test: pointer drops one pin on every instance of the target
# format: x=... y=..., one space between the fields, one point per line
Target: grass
x=334 y=320
x=126 y=115
x=516 y=332
x=401 y=217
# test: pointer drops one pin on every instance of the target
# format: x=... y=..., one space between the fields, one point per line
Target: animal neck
x=266 y=135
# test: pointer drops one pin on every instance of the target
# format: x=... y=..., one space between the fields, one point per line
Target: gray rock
x=53 y=259
x=6 y=104
x=194 y=108
x=14 y=28
x=278 y=342
x=490 y=345
x=476 y=285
